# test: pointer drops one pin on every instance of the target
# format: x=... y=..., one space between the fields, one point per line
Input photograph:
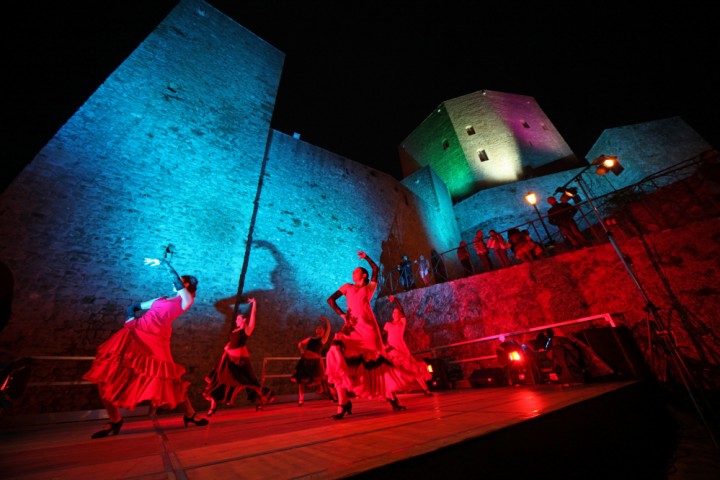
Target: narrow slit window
x=525 y=124
x=482 y=155
x=446 y=144
x=470 y=130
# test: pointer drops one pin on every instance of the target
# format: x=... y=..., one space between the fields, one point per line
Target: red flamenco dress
x=357 y=360
x=136 y=365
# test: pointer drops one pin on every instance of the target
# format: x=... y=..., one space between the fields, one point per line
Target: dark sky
x=360 y=76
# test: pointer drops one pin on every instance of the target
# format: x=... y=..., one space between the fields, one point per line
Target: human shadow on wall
x=274 y=319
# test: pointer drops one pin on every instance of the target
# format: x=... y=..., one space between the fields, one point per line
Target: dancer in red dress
x=136 y=364
x=234 y=373
x=399 y=353
x=356 y=361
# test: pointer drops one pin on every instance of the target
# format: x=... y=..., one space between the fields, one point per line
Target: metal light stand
x=547 y=232
x=650 y=308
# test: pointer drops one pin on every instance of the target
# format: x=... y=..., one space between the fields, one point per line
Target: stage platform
x=579 y=431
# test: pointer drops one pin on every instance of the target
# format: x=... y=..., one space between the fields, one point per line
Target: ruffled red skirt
x=410 y=369
x=367 y=378
x=134 y=366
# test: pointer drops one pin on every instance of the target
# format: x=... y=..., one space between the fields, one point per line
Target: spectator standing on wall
x=561 y=214
x=463 y=254
x=406 y=274
x=522 y=245
x=482 y=251
x=424 y=269
x=499 y=246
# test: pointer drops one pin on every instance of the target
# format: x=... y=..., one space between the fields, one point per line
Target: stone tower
x=486 y=139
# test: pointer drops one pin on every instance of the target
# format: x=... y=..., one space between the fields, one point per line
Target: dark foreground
x=594 y=431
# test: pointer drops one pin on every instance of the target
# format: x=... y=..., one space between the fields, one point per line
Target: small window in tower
x=446 y=144
x=483 y=156
x=470 y=130
x=525 y=124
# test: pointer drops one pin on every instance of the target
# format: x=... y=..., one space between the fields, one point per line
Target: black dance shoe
x=396 y=405
x=113 y=428
x=346 y=408
x=267 y=395
x=200 y=423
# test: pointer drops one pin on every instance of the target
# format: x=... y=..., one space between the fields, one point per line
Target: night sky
x=360 y=76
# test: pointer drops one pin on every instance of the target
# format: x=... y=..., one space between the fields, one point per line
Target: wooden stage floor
x=284 y=441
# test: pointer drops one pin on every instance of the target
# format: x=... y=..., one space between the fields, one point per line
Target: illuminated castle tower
x=486 y=139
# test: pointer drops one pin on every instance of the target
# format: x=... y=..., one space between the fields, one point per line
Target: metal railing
x=606 y=317
x=264 y=375
x=609 y=205
x=58 y=383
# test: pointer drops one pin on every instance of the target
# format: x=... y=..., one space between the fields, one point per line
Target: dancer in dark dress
x=234 y=373
x=309 y=370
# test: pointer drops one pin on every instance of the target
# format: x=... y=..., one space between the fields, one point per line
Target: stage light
x=607 y=164
x=571 y=193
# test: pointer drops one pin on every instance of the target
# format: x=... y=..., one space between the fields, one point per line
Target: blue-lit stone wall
x=645 y=149
x=316 y=211
x=439 y=214
x=168 y=150
x=505 y=206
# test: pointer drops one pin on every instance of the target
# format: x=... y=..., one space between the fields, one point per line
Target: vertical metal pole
x=652 y=310
x=547 y=232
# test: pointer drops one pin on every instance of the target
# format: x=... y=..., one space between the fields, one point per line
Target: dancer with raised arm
x=234 y=373
x=356 y=361
x=309 y=370
x=399 y=353
x=135 y=364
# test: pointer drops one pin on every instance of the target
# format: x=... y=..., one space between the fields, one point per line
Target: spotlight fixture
x=570 y=192
x=607 y=164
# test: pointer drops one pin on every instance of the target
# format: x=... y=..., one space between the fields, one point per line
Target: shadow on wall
x=281 y=279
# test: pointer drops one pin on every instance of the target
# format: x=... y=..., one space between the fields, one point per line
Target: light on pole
x=532 y=200
x=604 y=164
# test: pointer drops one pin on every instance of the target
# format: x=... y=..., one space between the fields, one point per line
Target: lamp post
x=532 y=200
x=605 y=164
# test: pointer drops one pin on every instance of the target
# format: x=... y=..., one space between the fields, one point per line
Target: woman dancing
x=356 y=361
x=135 y=364
x=309 y=371
x=399 y=353
x=234 y=372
